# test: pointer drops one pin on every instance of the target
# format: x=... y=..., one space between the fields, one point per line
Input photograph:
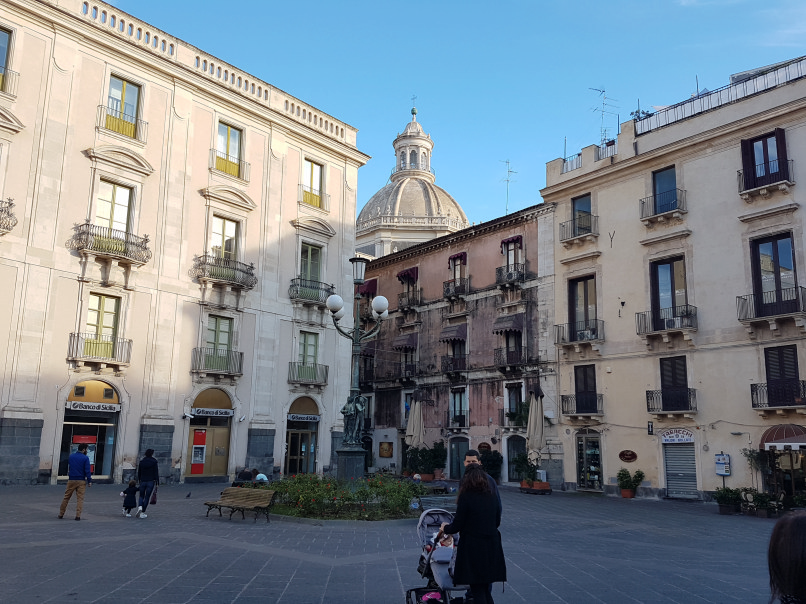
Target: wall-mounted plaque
x=628 y=456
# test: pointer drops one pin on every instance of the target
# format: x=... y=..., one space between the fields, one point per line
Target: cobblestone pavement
x=567 y=547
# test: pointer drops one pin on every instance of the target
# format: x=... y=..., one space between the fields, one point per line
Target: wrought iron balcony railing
x=314 y=198
x=214 y=360
x=787 y=301
x=581 y=331
x=663 y=203
x=7 y=219
x=310 y=291
x=228 y=164
x=766 y=175
x=99 y=348
x=110 y=243
x=583 y=224
x=410 y=298
x=666 y=319
x=8 y=81
x=514 y=420
x=117 y=121
x=671 y=400
x=458 y=418
x=511 y=273
x=223 y=270
x=452 y=363
x=573 y=162
x=455 y=287
x=402 y=370
x=307 y=373
x=504 y=357
x=582 y=403
x=778 y=393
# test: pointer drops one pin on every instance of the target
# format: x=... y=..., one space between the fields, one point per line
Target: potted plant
x=528 y=470
x=728 y=500
x=629 y=483
x=439 y=456
x=763 y=502
x=413 y=464
x=426 y=464
x=520 y=416
x=492 y=461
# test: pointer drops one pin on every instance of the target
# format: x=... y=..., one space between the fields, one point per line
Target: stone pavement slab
x=562 y=548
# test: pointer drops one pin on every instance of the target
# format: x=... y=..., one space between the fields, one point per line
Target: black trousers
x=482 y=594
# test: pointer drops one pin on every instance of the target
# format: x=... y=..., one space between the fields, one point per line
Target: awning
x=369 y=288
x=517 y=239
x=783 y=435
x=406 y=341
x=410 y=275
x=461 y=257
x=454 y=332
x=506 y=323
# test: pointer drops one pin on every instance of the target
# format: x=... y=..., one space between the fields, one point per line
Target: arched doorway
x=301 y=436
x=515 y=446
x=459 y=447
x=209 y=435
x=91 y=417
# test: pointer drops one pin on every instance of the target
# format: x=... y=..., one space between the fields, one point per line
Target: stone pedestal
x=350 y=463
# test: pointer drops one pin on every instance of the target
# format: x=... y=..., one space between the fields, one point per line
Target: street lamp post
x=351 y=454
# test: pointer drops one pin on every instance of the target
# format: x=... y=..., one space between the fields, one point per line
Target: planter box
x=538 y=488
x=728 y=509
x=426 y=477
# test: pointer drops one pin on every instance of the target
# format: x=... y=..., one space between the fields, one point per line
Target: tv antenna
x=605 y=109
x=510 y=171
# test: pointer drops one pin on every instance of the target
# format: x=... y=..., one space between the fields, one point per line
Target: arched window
x=163 y=46
x=423 y=164
x=112 y=21
x=204 y=63
x=94 y=12
x=122 y=27
x=85 y=8
x=218 y=72
x=260 y=90
x=148 y=40
x=171 y=50
x=226 y=75
x=413 y=159
x=265 y=95
x=304 y=114
x=103 y=17
x=402 y=159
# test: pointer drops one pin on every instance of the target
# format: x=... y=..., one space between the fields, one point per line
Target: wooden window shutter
x=783 y=164
x=748 y=165
x=673 y=373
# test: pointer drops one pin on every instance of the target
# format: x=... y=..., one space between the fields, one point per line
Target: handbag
x=153 y=500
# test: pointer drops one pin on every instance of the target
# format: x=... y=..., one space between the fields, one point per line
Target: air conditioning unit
x=541 y=475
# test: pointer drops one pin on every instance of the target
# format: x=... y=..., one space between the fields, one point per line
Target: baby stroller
x=436 y=563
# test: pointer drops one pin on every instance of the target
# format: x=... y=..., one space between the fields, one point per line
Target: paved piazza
x=567 y=547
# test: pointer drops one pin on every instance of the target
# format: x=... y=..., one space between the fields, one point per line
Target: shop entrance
x=301 y=437
x=589 y=460
x=90 y=417
x=209 y=434
x=681 y=470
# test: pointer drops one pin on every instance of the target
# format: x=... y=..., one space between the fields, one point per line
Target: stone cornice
x=666 y=237
x=580 y=257
x=769 y=212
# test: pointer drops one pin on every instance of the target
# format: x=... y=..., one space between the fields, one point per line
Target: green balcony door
x=102 y=325
x=219 y=343
x=121 y=107
x=112 y=214
x=308 y=351
x=310 y=267
x=228 y=147
x=224 y=248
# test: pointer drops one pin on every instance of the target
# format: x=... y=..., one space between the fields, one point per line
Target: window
x=408 y=357
x=764 y=160
x=122 y=106
x=112 y=208
x=308 y=350
x=224 y=241
x=413 y=160
x=102 y=325
x=674 y=384
x=459 y=412
x=228 y=150
x=664 y=190
x=79 y=391
x=774 y=278
x=582 y=215
x=109 y=393
x=310 y=262
x=312 y=184
x=585 y=389
x=5 y=44
x=408 y=403
x=783 y=384
x=457 y=349
x=219 y=343
x=514 y=398
x=669 y=299
x=582 y=308
x=511 y=253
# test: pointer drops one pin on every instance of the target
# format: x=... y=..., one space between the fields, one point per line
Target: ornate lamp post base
x=350 y=462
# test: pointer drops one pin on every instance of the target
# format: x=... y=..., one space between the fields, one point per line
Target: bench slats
x=237 y=499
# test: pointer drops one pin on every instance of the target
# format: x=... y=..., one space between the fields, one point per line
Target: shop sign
x=297 y=417
x=201 y=412
x=677 y=435
x=80 y=406
x=628 y=456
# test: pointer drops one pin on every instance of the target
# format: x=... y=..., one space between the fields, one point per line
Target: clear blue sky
x=494 y=80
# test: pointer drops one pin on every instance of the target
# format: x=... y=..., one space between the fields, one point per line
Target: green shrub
x=626 y=481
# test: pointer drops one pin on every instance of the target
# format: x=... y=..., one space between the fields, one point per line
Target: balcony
x=409 y=299
x=512 y=421
x=8 y=81
x=573 y=162
x=213 y=360
x=672 y=402
x=118 y=122
x=454 y=364
x=108 y=243
x=402 y=371
x=506 y=360
x=766 y=179
x=582 y=405
x=7 y=219
x=225 y=271
x=663 y=206
x=779 y=396
x=458 y=421
x=314 y=198
x=771 y=308
x=84 y=348
x=307 y=373
x=229 y=165
x=510 y=275
x=307 y=291
x=577 y=335
x=666 y=322
x=585 y=227
x=455 y=288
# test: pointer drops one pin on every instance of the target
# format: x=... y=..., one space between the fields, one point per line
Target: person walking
x=148 y=473
x=786 y=559
x=472 y=457
x=130 y=498
x=79 y=478
x=479 y=558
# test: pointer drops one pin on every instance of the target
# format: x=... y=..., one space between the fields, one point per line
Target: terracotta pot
x=627 y=493
x=539 y=485
x=426 y=477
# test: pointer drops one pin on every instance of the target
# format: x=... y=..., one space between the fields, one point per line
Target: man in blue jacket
x=79 y=477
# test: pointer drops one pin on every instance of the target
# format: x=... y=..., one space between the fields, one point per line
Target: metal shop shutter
x=681 y=471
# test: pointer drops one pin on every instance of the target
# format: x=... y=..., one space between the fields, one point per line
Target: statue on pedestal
x=353 y=412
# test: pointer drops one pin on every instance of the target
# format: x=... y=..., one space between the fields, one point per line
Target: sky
x=494 y=81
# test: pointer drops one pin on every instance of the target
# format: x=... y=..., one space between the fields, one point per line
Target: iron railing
x=582 y=403
x=662 y=203
x=312 y=291
x=214 y=360
x=458 y=418
x=778 y=393
x=511 y=273
x=225 y=270
x=314 y=198
x=505 y=422
x=7 y=218
x=307 y=373
x=671 y=400
x=505 y=357
x=581 y=331
x=785 y=301
x=583 y=224
x=229 y=164
x=456 y=362
x=765 y=175
x=399 y=371
x=455 y=287
x=96 y=347
x=117 y=121
x=450 y=222
x=606 y=150
x=572 y=163
x=410 y=298
x=8 y=81
x=666 y=319
x=104 y=241
x=412 y=166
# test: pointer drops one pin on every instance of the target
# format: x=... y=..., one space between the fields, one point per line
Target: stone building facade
x=174 y=228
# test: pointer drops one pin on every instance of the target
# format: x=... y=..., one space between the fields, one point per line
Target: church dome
x=412 y=197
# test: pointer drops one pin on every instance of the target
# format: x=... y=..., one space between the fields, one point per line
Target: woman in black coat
x=480 y=557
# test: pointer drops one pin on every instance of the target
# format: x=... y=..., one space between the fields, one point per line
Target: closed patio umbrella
x=534 y=428
x=415 y=430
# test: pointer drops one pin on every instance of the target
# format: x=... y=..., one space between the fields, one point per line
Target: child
x=130 y=500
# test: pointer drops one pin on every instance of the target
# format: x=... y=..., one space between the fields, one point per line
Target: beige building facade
x=171 y=229
x=680 y=299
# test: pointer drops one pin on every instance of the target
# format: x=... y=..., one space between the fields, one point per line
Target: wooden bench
x=238 y=499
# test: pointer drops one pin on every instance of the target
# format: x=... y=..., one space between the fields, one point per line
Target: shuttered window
x=673 y=373
x=781 y=363
x=764 y=160
x=585 y=379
